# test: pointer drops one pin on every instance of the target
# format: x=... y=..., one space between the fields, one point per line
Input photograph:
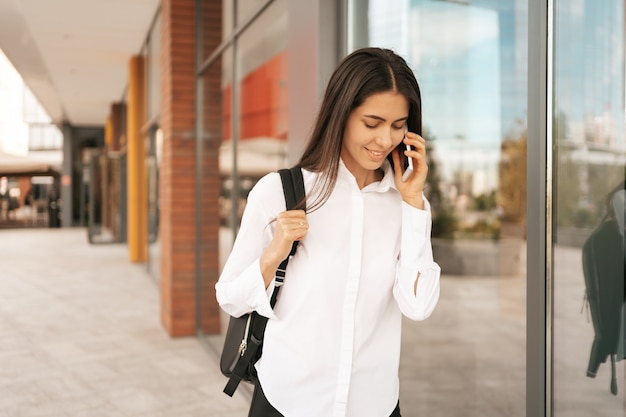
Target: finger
x=299 y=225
x=418 y=148
x=415 y=140
x=415 y=153
x=292 y=214
x=297 y=231
x=287 y=214
x=292 y=220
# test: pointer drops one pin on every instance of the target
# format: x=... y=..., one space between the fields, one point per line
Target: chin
x=372 y=166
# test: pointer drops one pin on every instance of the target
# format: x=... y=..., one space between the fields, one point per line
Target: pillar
x=67 y=191
x=137 y=202
x=177 y=194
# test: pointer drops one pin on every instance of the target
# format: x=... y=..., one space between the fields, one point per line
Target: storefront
x=523 y=108
x=524 y=112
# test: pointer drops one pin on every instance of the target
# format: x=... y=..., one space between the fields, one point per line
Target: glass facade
x=261 y=74
x=153 y=144
x=470 y=60
x=243 y=117
x=588 y=210
x=518 y=308
x=211 y=182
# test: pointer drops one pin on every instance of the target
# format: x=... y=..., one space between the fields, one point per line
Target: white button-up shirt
x=332 y=342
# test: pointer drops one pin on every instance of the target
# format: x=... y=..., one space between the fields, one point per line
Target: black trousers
x=260 y=407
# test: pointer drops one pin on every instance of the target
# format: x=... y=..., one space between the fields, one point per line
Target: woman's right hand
x=291 y=225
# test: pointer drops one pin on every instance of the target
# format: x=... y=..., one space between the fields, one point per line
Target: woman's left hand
x=411 y=189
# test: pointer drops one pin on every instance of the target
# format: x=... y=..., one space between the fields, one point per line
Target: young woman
x=332 y=342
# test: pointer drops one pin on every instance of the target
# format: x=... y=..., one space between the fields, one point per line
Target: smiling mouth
x=377 y=154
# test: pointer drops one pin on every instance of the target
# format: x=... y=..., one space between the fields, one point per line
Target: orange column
x=137 y=202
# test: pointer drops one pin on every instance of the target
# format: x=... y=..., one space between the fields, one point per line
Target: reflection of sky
x=455 y=54
x=466 y=59
x=589 y=79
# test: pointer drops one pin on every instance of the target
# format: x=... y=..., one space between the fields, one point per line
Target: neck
x=368 y=177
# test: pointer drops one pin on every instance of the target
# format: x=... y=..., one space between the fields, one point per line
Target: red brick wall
x=177 y=171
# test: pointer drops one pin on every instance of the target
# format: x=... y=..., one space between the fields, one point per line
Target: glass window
x=216 y=99
x=470 y=58
x=261 y=92
x=154 y=69
x=245 y=8
x=153 y=165
x=244 y=122
x=588 y=213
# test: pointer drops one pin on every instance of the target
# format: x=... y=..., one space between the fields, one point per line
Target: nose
x=385 y=138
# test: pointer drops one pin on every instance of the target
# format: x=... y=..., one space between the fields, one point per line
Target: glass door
x=588 y=212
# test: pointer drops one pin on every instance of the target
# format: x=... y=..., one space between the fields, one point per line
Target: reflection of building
x=590 y=124
x=473 y=78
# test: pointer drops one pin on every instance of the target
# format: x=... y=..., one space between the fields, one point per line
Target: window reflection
x=588 y=211
x=470 y=58
x=259 y=145
x=245 y=8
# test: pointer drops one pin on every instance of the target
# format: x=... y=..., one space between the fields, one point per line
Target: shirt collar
x=381 y=186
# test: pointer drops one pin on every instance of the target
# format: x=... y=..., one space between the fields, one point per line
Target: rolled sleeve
x=245 y=294
x=416 y=260
x=241 y=288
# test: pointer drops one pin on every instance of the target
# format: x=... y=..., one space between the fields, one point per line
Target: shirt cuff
x=415 y=233
x=250 y=289
x=260 y=296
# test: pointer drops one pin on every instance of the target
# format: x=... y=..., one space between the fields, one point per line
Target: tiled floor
x=80 y=336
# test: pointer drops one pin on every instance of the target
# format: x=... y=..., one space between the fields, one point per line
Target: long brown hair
x=364 y=72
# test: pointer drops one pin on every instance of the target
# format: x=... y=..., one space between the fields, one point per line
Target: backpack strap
x=293 y=186
x=293 y=189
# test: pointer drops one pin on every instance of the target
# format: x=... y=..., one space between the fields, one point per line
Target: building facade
x=523 y=105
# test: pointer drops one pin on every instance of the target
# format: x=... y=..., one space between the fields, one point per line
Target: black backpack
x=605 y=292
x=244 y=336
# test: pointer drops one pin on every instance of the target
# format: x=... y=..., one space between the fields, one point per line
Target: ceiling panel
x=74 y=54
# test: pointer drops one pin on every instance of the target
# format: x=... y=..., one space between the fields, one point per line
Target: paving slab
x=80 y=336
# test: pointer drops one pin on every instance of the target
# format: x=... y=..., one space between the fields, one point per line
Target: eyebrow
x=382 y=119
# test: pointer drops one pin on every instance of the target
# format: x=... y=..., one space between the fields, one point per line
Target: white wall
x=13 y=129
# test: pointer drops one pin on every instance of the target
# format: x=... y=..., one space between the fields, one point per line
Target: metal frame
x=199 y=110
x=539 y=210
x=230 y=40
x=202 y=65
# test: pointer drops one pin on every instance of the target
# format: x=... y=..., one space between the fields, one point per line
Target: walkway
x=80 y=336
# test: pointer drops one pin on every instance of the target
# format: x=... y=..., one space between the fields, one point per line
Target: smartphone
x=408 y=165
x=408 y=162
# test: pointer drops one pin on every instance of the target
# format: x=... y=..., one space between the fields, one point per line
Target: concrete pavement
x=80 y=336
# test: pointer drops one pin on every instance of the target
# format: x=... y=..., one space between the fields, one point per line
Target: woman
x=332 y=342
